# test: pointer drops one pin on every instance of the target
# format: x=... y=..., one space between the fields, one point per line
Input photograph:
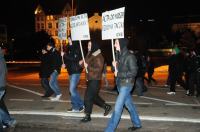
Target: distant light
x=151 y=20
x=141 y=20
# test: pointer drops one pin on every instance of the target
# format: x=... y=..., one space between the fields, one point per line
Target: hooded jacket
x=3 y=71
x=126 y=64
x=72 y=57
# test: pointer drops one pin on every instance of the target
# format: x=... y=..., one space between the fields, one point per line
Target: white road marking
x=109 y=102
x=161 y=100
x=25 y=100
x=169 y=104
x=24 y=89
x=100 y=115
x=150 y=98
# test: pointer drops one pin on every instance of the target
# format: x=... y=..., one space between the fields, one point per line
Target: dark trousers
x=45 y=85
x=194 y=79
x=176 y=78
x=92 y=96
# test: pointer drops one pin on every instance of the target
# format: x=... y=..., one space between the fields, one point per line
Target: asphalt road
x=158 y=111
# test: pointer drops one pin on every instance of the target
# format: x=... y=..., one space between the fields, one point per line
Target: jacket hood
x=123 y=42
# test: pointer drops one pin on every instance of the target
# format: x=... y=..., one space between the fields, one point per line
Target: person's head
x=69 y=40
x=50 y=45
x=175 y=51
x=121 y=44
x=92 y=46
x=44 y=50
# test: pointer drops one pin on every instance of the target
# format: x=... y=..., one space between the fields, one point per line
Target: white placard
x=62 y=28
x=113 y=24
x=80 y=27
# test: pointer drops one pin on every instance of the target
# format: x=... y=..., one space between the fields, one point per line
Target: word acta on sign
x=110 y=17
x=113 y=26
x=73 y=25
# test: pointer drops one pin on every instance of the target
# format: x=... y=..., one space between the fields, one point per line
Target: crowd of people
x=129 y=70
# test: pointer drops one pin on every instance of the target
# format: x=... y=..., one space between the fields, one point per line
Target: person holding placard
x=72 y=56
x=94 y=62
x=125 y=73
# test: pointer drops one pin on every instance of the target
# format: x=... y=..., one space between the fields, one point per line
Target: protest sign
x=113 y=24
x=80 y=27
x=62 y=28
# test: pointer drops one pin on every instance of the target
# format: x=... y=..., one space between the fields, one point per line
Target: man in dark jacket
x=72 y=56
x=125 y=73
x=55 y=68
x=45 y=73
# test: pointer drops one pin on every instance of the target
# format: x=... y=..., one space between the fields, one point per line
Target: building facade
x=47 y=19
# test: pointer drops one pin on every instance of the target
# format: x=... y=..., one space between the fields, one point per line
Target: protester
x=72 y=56
x=44 y=73
x=55 y=68
x=94 y=65
x=176 y=70
x=125 y=73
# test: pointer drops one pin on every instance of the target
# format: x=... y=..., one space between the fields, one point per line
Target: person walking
x=55 y=68
x=72 y=56
x=94 y=65
x=44 y=73
x=125 y=73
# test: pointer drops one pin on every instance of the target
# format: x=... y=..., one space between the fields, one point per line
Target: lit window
x=48 y=18
x=49 y=25
x=51 y=17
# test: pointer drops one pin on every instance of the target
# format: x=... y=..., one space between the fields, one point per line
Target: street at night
x=157 y=110
x=99 y=66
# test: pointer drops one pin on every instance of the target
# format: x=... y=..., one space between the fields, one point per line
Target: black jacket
x=72 y=57
x=44 y=66
x=127 y=67
x=55 y=60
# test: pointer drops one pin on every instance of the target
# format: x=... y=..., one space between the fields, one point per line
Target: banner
x=113 y=24
x=62 y=28
x=80 y=27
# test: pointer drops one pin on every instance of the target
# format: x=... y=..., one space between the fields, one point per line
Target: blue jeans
x=5 y=117
x=76 y=100
x=124 y=98
x=53 y=83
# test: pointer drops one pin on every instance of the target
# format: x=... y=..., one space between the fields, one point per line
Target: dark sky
x=19 y=14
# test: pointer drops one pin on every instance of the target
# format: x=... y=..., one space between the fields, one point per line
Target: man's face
x=49 y=47
x=89 y=45
x=117 y=46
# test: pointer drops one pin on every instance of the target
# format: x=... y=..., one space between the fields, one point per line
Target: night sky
x=18 y=15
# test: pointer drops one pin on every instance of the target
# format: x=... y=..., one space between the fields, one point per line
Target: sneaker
x=171 y=93
x=57 y=98
x=187 y=92
x=133 y=128
x=12 y=123
x=72 y=110
x=82 y=109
